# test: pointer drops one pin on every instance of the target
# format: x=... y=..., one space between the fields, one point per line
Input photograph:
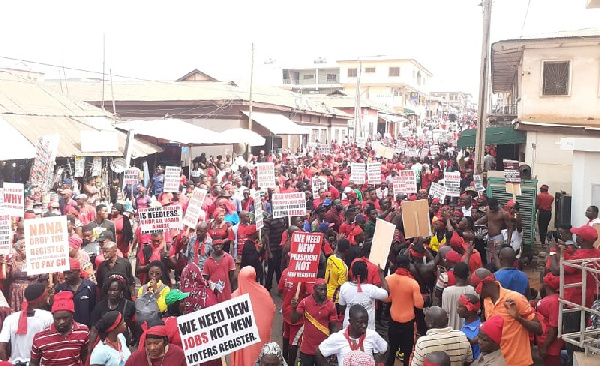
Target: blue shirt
x=513 y=279
x=158 y=183
x=471 y=330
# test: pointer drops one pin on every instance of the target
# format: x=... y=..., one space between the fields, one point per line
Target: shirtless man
x=496 y=219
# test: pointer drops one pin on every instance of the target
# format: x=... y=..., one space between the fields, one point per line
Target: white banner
x=357 y=173
x=79 y=166
x=194 y=209
x=438 y=191
x=172 y=177
x=452 y=183
x=258 y=211
x=14 y=200
x=265 y=175
x=405 y=182
x=47 y=245
x=97 y=166
x=160 y=219
x=323 y=149
x=434 y=150
x=5 y=233
x=374 y=173
x=318 y=183
x=478 y=182
x=131 y=176
x=289 y=204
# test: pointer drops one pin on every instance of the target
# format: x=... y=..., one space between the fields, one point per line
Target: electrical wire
x=525 y=19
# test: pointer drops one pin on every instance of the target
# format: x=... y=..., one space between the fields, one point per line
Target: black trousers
x=543 y=222
x=307 y=360
x=274 y=267
x=401 y=336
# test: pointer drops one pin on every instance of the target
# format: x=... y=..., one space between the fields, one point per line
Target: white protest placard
x=47 y=245
x=357 y=173
x=265 y=175
x=194 y=209
x=79 y=166
x=158 y=219
x=411 y=152
x=478 y=182
x=259 y=219
x=289 y=204
x=452 y=183
x=97 y=166
x=374 y=173
x=218 y=330
x=511 y=171
x=323 y=149
x=43 y=165
x=14 y=200
x=434 y=150
x=172 y=177
x=5 y=233
x=438 y=191
x=408 y=181
x=131 y=176
x=318 y=183
x=424 y=152
x=400 y=147
x=383 y=236
x=361 y=142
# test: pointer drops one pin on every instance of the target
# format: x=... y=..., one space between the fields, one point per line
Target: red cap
x=552 y=281
x=586 y=232
x=63 y=301
x=493 y=328
x=453 y=256
x=457 y=241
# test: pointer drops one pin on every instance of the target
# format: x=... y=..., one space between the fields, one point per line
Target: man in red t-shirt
x=245 y=229
x=543 y=204
x=320 y=320
x=292 y=331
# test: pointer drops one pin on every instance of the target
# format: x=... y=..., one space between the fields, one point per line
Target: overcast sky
x=164 y=40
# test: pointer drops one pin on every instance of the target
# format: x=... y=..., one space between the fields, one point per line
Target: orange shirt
x=515 y=344
x=405 y=296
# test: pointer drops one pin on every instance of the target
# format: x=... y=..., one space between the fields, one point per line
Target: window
x=556 y=77
x=394 y=71
x=310 y=76
x=352 y=73
x=331 y=77
x=370 y=70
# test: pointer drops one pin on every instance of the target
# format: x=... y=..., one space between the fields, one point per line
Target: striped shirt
x=453 y=342
x=51 y=348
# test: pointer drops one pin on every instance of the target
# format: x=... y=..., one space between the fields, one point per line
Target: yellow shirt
x=434 y=243
x=162 y=305
x=336 y=275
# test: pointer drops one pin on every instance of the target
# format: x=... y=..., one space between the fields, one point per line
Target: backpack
x=146 y=307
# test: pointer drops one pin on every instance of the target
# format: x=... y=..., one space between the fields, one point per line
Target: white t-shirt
x=349 y=296
x=338 y=345
x=21 y=343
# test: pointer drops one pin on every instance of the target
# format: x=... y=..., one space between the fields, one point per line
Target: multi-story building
x=395 y=82
x=453 y=102
x=552 y=87
x=320 y=77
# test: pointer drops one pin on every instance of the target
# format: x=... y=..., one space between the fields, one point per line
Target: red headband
x=416 y=254
x=115 y=324
x=478 y=282
x=22 y=325
x=468 y=304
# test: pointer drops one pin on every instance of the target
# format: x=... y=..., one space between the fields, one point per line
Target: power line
x=525 y=19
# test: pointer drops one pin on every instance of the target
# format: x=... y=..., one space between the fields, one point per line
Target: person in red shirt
x=549 y=345
x=319 y=316
x=218 y=270
x=245 y=229
x=543 y=204
x=292 y=331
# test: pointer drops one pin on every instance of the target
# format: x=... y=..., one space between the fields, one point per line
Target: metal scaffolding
x=587 y=339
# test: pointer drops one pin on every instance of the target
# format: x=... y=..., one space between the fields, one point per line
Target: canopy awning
x=277 y=123
x=243 y=136
x=177 y=131
x=14 y=144
x=393 y=119
x=408 y=111
x=502 y=135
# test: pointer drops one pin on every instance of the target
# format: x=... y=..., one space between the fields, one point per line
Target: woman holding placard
x=16 y=274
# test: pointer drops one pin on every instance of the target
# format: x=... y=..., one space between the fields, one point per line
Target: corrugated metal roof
x=36 y=110
x=278 y=124
x=176 y=130
x=349 y=101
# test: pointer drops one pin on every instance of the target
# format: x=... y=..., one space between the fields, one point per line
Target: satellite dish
x=117 y=165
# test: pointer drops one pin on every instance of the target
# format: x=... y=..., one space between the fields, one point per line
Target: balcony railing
x=291 y=81
x=504 y=110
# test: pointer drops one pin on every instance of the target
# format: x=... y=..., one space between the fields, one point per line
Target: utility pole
x=357 y=108
x=248 y=152
x=483 y=88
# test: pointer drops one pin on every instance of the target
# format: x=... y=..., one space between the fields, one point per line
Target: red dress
x=218 y=272
x=122 y=245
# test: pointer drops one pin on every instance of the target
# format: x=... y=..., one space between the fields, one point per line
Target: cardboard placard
x=384 y=151
x=289 y=204
x=438 y=191
x=304 y=256
x=47 y=245
x=131 y=176
x=415 y=217
x=511 y=171
x=478 y=183
x=14 y=200
x=382 y=238
x=5 y=233
x=357 y=173
x=172 y=177
x=160 y=219
x=265 y=175
x=194 y=209
x=318 y=183
x=79 y=166
x=259 y=219
x=374 y=173
x=218 y=330
x=452 y=183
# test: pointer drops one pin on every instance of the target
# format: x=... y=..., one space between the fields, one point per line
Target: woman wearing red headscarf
x=264 y=310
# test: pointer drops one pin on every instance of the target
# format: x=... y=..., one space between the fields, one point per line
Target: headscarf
x=457 y=241
x=271 y=348
x=261 y=300
x=478 y=282
x=75 y=242
x=358 y=358
x=192 y=283
x=464 y=301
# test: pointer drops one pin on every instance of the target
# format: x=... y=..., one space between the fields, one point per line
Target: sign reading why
x=452 y=183
x=13 y=199
x=511 y=171
x=172 y=177
x=131 y=176
x=47 y=244
x=217 y=331
x=5 y=233
x=157 y=219
x=265 y=175
x=304 y=256
x=289 y=204
x=374 y=173
x=318 y=183
x=357 y=173
x=194 y=209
